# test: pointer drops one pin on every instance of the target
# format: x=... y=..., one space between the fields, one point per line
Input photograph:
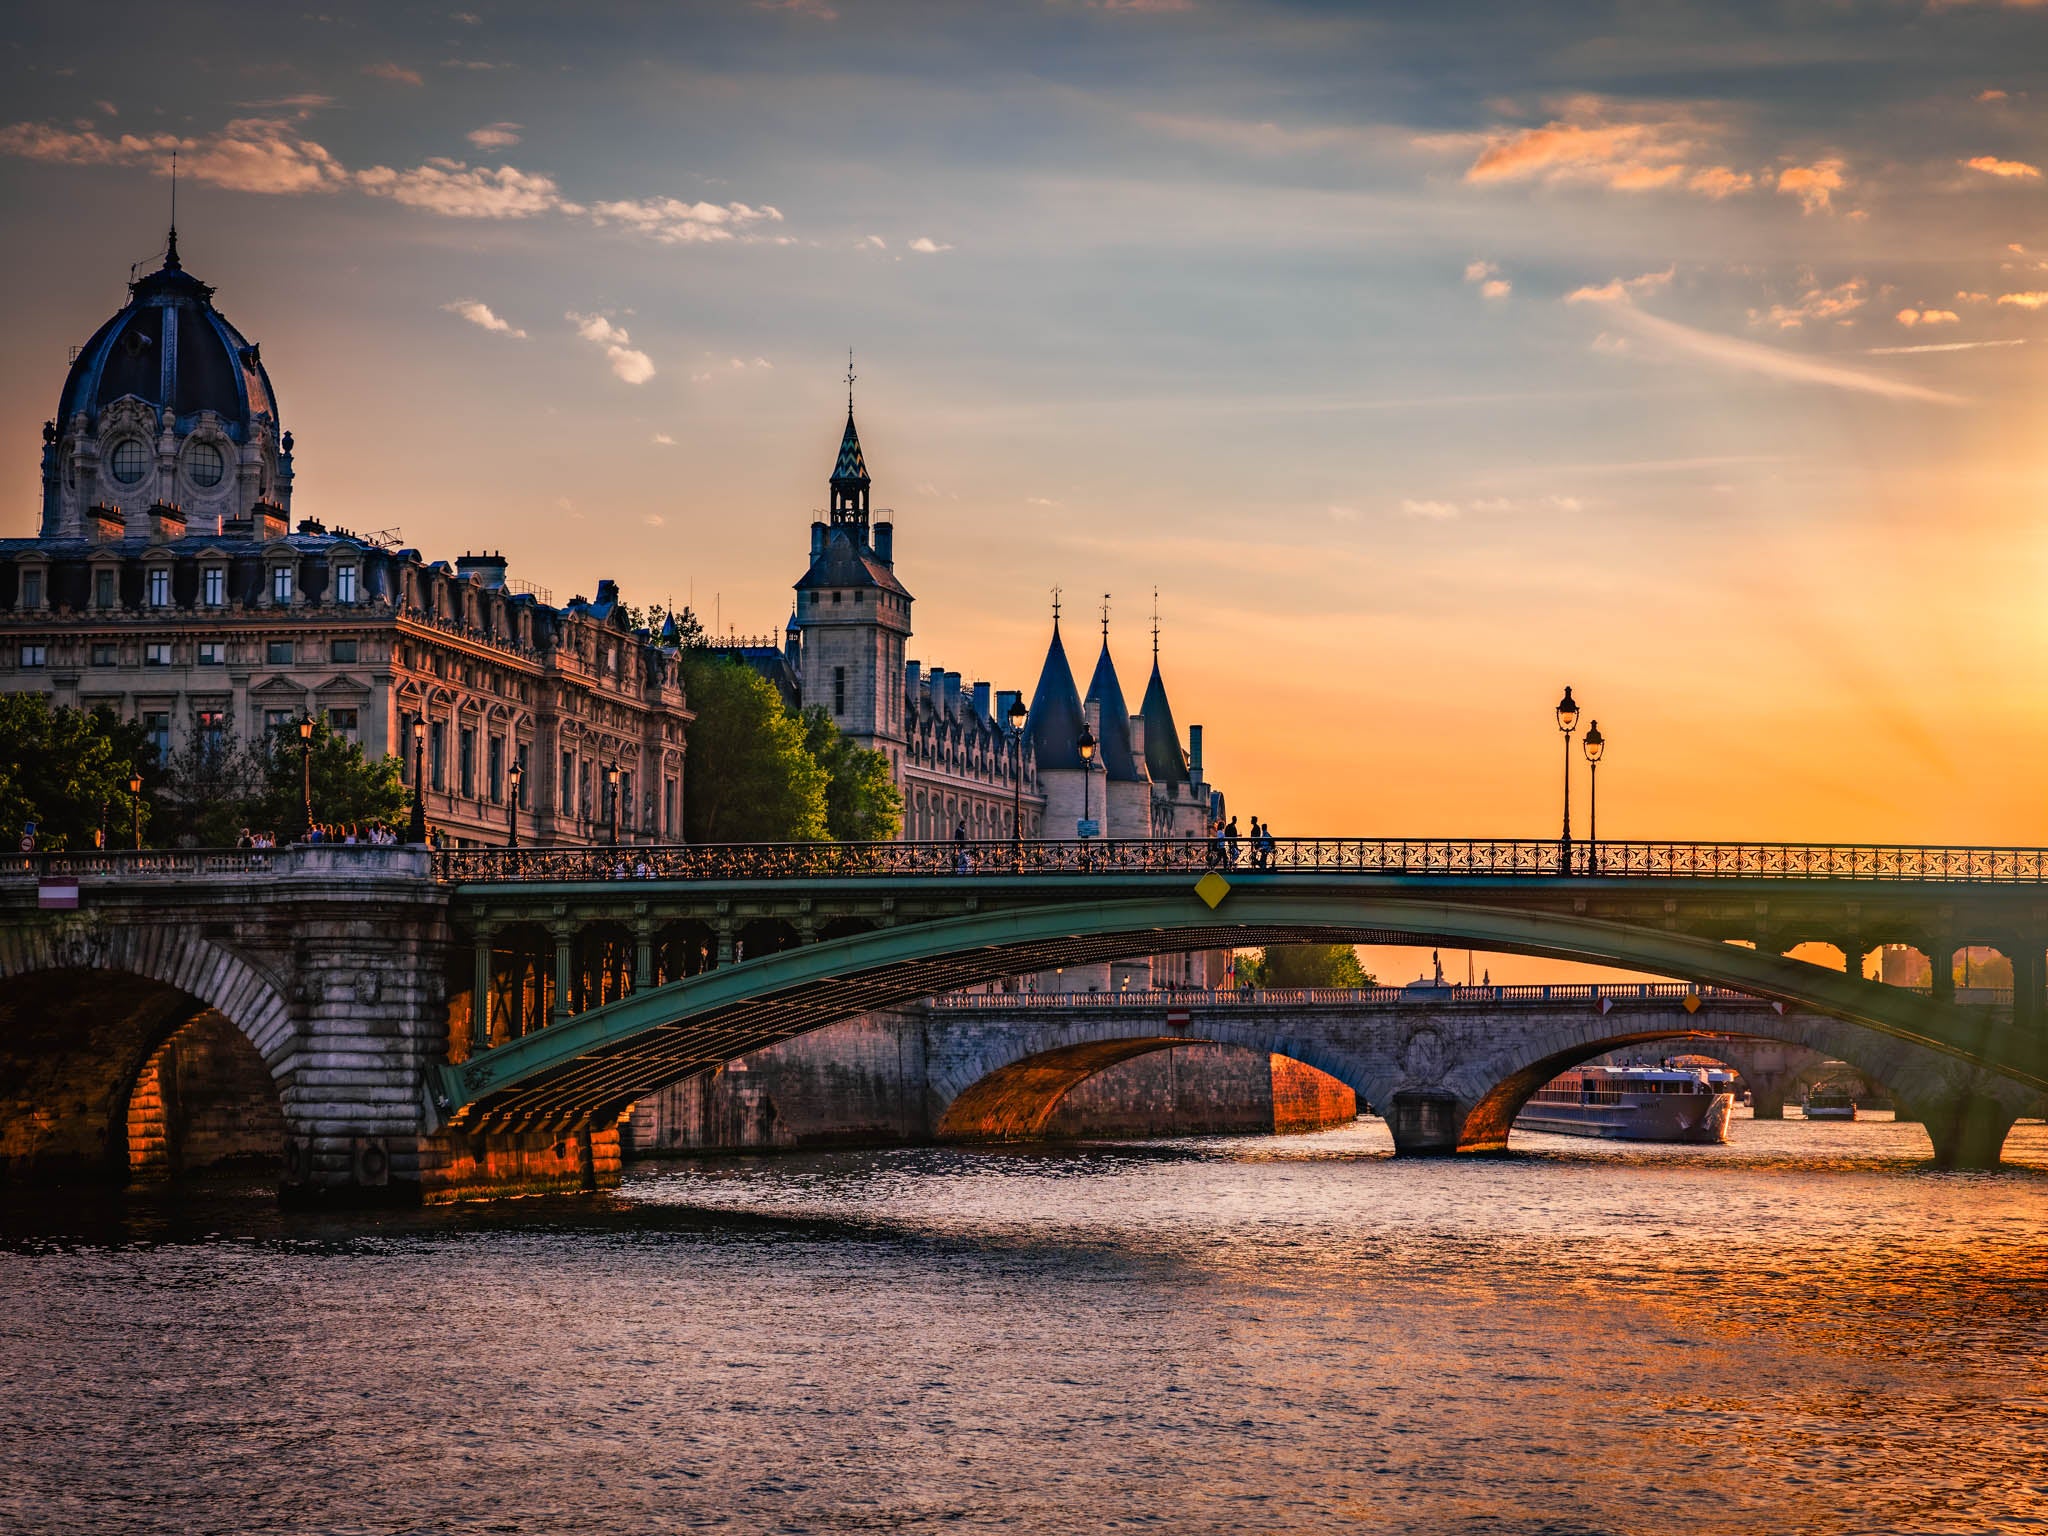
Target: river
x=1804 y=1330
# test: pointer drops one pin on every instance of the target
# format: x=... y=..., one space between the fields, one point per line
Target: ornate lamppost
x=135 y=806
x=611 y=784
x=1017 y=716
x=1087 y=747
x=1596 y=746
x=417 y=833
x=306 y=777
x=517 y=776
x=1567 y=723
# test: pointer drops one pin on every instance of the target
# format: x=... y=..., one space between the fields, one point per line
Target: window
x=839 y=690
x=213 y=653
x=213 y=586
x=277 y=721
x=281 y=584
x=857 y=596
x=31 y=589
x=156 y=725
x=668 y=807
x=105 y=655
x=103 y=589
x=157 y=653
x=494 y=771
x=210 y=733
x=278 y=653
x=567 y=782
x=624 y=812
x=344 y=650
x=131 y=460
x=437 y=754
x=583 y=787
x=344 y=583
x=467 y=746
x=837 y=595
x=203 y=462
x=343 y=723
x=34 y=656
x=160 y=587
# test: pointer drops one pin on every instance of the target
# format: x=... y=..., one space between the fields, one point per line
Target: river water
x=1804 y=1330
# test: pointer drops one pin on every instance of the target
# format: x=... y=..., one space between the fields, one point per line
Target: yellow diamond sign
x=1212 y=888
x=1692 y=1002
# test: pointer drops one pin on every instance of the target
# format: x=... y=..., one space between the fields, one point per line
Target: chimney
x=488 y=568
x=912 y=678
x=952 y=687
x=166 y=521
x=981 y=693
x=1004 y=700
x=1195 y=753
x=607 y=591
x=104 y=524
x=885 y=543
x=1138 y=738
x=311 y=525
x=268 y=521
x=817 y=540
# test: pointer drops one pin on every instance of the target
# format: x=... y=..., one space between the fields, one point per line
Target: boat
x=1631 y=1104
x=1830 y=1104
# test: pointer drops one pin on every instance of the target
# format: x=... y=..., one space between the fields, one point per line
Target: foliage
x=862 y=803
x=67 y=770
x=689 y=628
x=213 y=790
x=751 y=777
x=1301 y=965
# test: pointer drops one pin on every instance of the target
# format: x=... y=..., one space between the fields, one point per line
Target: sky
x=1425 y=359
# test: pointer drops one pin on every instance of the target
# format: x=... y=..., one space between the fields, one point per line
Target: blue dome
x=170 y=348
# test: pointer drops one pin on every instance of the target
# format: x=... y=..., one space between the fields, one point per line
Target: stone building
x=167 y=581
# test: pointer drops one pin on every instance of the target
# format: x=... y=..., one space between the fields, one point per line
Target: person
x=1266 y=847
x=1230 y=842
x=1252 y=843
x=245 y=840
x=960 y=862
x=1217 y=851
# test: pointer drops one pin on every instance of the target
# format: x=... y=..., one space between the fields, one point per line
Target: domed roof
x=170 y=348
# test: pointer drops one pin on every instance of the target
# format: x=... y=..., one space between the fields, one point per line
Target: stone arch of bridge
x=87 y=1010
x=591 y=1067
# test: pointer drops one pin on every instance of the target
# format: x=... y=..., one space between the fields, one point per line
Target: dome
x=171 y=349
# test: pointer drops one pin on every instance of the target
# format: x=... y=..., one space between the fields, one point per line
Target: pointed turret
x=1119 y=762
x=1162 y=737
x=1054 y=726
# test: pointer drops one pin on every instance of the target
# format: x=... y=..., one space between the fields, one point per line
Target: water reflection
x=1803 y=1329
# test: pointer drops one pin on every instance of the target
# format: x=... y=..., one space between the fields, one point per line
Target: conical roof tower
x=1054 y=725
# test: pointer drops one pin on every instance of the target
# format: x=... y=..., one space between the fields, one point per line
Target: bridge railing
x=1304 y=855
x=1361 y=997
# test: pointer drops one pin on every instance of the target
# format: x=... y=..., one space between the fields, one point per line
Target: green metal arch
x=604 y=1059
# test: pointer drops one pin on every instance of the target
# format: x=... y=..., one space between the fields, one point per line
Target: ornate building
x=167 y=582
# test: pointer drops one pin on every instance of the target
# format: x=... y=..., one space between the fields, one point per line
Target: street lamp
x=611 y=782
x=517 y=776
x=1018 y=715
x=135 y=806
x=306 y=776
x=1087 y=746
x=418 y=831
x=1596 y=746
x=1567 y=722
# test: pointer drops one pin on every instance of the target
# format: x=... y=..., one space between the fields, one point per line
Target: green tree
x=347 y=785
x=862 y=803
x=751 y=777
x=67 y=770
x=689 y=628
x=1302 y=965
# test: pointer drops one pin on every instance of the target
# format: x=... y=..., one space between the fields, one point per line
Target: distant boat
x=1830 y=1104
x=1631 y=1104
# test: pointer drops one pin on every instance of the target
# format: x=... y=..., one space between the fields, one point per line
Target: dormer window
x=103 y=589
x=160 y=588
x=31 y=589
x=281 y=584
x=344 y=583
x=213 y=586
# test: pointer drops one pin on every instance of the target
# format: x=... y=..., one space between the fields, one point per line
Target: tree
x=215 y=787
x=751 y=777
x=67 y=770
x=689 y=628
x=1302 y=965
x=862 y=803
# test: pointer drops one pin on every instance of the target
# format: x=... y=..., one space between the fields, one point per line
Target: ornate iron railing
x=1340 y=997
x=1304 y=855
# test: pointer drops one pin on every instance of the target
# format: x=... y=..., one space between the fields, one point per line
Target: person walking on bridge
x=1230 y=842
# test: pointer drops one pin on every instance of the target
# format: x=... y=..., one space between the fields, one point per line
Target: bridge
x=479 y=1021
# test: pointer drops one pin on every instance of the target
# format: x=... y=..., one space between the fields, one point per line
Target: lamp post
x=418 y=831
x=1567 y=723
x=1087 y=747
x=306 y=777
x=517 y=776
x=1017 y=716
x=611 y=784
x=1596 y=746
x=135 y=806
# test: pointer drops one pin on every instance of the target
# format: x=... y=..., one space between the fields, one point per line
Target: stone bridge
x=437 y=1025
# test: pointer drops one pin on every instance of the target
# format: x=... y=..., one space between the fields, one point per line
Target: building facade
x=168 y=582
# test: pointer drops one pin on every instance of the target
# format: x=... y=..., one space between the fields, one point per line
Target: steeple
x=850 y=483
x=1119 y=763
x=1054 y=726
x=1163 y=758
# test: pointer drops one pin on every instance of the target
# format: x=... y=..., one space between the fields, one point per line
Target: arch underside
x=588 y=1070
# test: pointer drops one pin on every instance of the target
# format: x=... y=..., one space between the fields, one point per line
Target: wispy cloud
x=663 y=439
x=817 y=10
x=1943 y=346
x=924 y=245
x=674 y=222
x=478 y=313
x=2030 y=300
x=494 y=136
x=1487 y=276
x=628 y=363
x=1624 y=147
x=1912 y=317
x=1814 y=185
x=2011 y=170
x=397 y=74
x=1437 y=511
x=1620 y=289
x=1835 y=303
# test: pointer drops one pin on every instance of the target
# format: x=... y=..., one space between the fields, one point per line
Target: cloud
x=1040 y=501
x=1814 y=185
x=664 y=439
x=1601 y=143
x=1815 y=303
x=1479 y=271
x=2011 y=170
x=2034 y=300
x=924 y=245
x=1991 y=95
x=1496 y=288
x=628 y=363
x=1912 y=317
x=1518 y=504
x=108 y=108
x=1491 y=284
x=653 y=519
x=871 y=243
x=472 y=64
x=1719 y=181
x=1753 y=357
x=674 y=222
x=262 y=155
x=1942 y=346
x=478 y=313
x=1618 y=290
x=1965 y=296
x=1435 y=510
x=1270 y=138
x=397 y=74
x=1339 y=514
x=454 y=190
x=494 y=136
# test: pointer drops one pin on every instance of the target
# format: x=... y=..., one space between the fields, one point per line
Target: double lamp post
x=1595 y=746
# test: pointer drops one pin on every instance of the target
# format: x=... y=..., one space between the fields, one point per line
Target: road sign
x=57 y=895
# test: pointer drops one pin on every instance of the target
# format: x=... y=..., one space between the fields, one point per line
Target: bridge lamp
x=1017 y=717
x=135 y=802
x=306 y=775
x=1595 y=747
x=1567 y=723
x=611 y=781
x=1087 y=748
x=516 y=775
x=417 y=833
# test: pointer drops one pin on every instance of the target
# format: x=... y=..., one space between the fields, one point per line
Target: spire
x=1054 y=725
x=1163 y=759
x=1119 y=763
x=171 y=246
x=850 y=483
